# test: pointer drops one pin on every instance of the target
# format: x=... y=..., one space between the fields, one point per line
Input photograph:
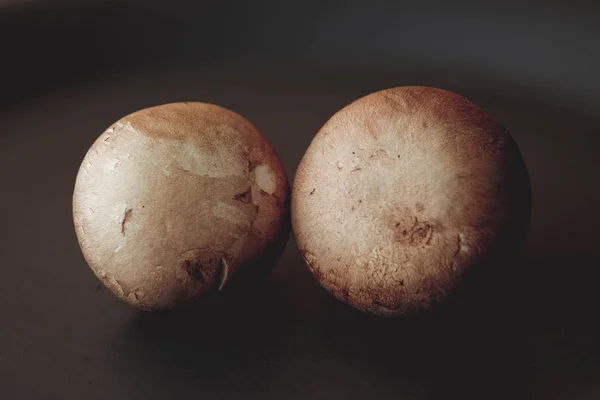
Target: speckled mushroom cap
x=404 y=191
x=173 y=200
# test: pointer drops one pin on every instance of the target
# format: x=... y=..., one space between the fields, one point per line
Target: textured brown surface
x=401 y=193
x=174 y=200
x=63 y=335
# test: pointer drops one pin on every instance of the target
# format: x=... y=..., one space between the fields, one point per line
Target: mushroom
x=176 y=200
x=402 y=194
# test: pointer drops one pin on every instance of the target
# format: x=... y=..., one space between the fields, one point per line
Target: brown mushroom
x=175 y=200
x=402 y=193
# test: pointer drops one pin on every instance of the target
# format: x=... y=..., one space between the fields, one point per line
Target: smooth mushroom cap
x=401 y=193
x=173 y=200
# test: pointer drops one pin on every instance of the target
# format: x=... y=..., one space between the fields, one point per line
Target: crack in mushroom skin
x=126 y=217
x=192 y=209
x=244 y=197
x=434 y=187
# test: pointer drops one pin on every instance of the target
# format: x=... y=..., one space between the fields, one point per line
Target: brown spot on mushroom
x=420 y=233
x=424 y=233
x=244 y=197
x=312 y=192
x=458 y=247
x=252 y=165
x=378 y=154
x=195 y=270
x=420 y=207
x=126 y=217
x=201 y=265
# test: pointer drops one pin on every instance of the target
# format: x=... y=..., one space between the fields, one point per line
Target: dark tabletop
x=69 y=71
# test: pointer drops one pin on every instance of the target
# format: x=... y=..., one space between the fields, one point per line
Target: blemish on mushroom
x=420 y=233
x=126 y=218
x=116 y=284
x=244 y=197
x=309 y=258
x=312 y=191
x=378 y=154
x=138 y=294
x=252 y=164
x=194 y=270
x=462 y=246
x=265 y=179
x=263 y=193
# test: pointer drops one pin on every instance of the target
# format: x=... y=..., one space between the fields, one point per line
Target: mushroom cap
x=174 y=200
x=403 y=192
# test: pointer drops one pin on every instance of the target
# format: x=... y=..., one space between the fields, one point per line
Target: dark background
x=68 y=69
